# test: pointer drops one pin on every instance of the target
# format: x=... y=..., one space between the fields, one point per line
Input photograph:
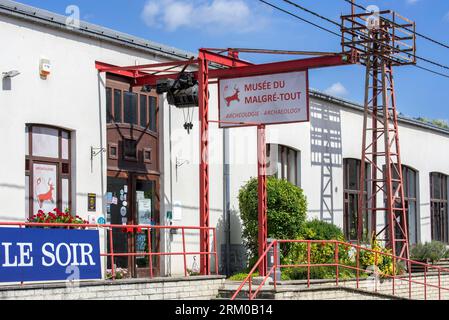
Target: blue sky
x=191 y=24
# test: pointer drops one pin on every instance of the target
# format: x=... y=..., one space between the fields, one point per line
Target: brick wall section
x=192 y=288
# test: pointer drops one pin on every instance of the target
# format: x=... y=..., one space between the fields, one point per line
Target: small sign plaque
x=92 y=202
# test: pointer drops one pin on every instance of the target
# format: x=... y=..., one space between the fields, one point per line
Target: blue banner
x=37 y=254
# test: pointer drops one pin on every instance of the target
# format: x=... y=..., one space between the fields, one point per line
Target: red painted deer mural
x=234 y=97
x=47 y=196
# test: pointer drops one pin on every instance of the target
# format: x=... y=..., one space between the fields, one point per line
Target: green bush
x=321 y=253
x=321 y=230
x=287 y=208
x=430 y=251
x=242 y=276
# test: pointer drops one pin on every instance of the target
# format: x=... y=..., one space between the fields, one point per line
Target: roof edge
x=358 y=107
x=54 y=20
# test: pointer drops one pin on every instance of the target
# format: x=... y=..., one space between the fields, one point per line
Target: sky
x=192 y=24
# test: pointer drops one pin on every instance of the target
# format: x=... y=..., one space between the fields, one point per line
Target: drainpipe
x=171 y=187
x=226 y=202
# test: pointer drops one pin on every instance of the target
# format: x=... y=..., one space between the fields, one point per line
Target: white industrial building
x=87 y=134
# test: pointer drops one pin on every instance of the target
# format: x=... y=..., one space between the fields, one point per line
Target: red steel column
x=203 y=97
x=262 y=197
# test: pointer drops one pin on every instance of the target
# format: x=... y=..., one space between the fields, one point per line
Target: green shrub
x=321 y=230
x=320 y=253
x=287 y=208
x=242 y=276
x=382 y=260
x=430 y=251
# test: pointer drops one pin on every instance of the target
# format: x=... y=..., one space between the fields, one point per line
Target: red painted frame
x=235 y=68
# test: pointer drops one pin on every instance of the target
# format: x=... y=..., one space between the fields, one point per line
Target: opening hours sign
x=265 y=99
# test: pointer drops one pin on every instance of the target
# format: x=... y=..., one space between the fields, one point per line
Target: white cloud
x=412 y=1
x=227 y=15
x=337 y=89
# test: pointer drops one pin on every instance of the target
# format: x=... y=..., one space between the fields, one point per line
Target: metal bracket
x=180 y=163
x=93 y=153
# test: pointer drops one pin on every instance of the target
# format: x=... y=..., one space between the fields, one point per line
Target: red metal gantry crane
x=226 y=65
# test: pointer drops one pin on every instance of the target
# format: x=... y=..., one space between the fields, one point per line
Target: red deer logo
x=47 y=196
x=234 y=97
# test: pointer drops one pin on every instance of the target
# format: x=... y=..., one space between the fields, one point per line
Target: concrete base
x=258 y=280
x=185 y=288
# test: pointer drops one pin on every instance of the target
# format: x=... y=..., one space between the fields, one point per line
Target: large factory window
x=410 y=178
x=284 y=163
x=351 y=181
x=136 y=109
x=439 y=207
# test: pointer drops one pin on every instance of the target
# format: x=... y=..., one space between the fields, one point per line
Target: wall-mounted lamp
x=10 y=74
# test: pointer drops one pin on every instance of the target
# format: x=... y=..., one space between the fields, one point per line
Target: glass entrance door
x=117 y=213
x=133 y=201
x=145 y=209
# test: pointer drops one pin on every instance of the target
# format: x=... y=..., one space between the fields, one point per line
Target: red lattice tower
x=383 y=39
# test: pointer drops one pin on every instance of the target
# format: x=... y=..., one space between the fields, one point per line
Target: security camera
x=10 y=74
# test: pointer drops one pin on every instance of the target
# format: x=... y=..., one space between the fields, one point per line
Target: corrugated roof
x=51 y=19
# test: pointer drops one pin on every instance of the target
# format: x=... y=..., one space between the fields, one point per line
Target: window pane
x=279 y=163
x=117 y=105
x=153 y=114
x=411 y=183
x=130 y=108
x=108 y=105
x=436 y=186
x=65 y=194
x=284 y=162
x=27 y=142
x=292 y=166
x=130 y=148
x=143 y=111
x=45 y=187
x=444 y=187
x=65 y=145
x=45 y=142
x=272 y=160
x=27 y=196
x=412 y=222
x=353 y=174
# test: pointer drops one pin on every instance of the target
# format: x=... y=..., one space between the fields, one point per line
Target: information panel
x=266 y=99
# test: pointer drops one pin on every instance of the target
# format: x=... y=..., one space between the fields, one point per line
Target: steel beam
x=203 y=98
x=262 y=203
x=280 y=67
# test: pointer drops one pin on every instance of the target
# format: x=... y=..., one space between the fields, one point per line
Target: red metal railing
x=355 y=267
x=150 y=253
